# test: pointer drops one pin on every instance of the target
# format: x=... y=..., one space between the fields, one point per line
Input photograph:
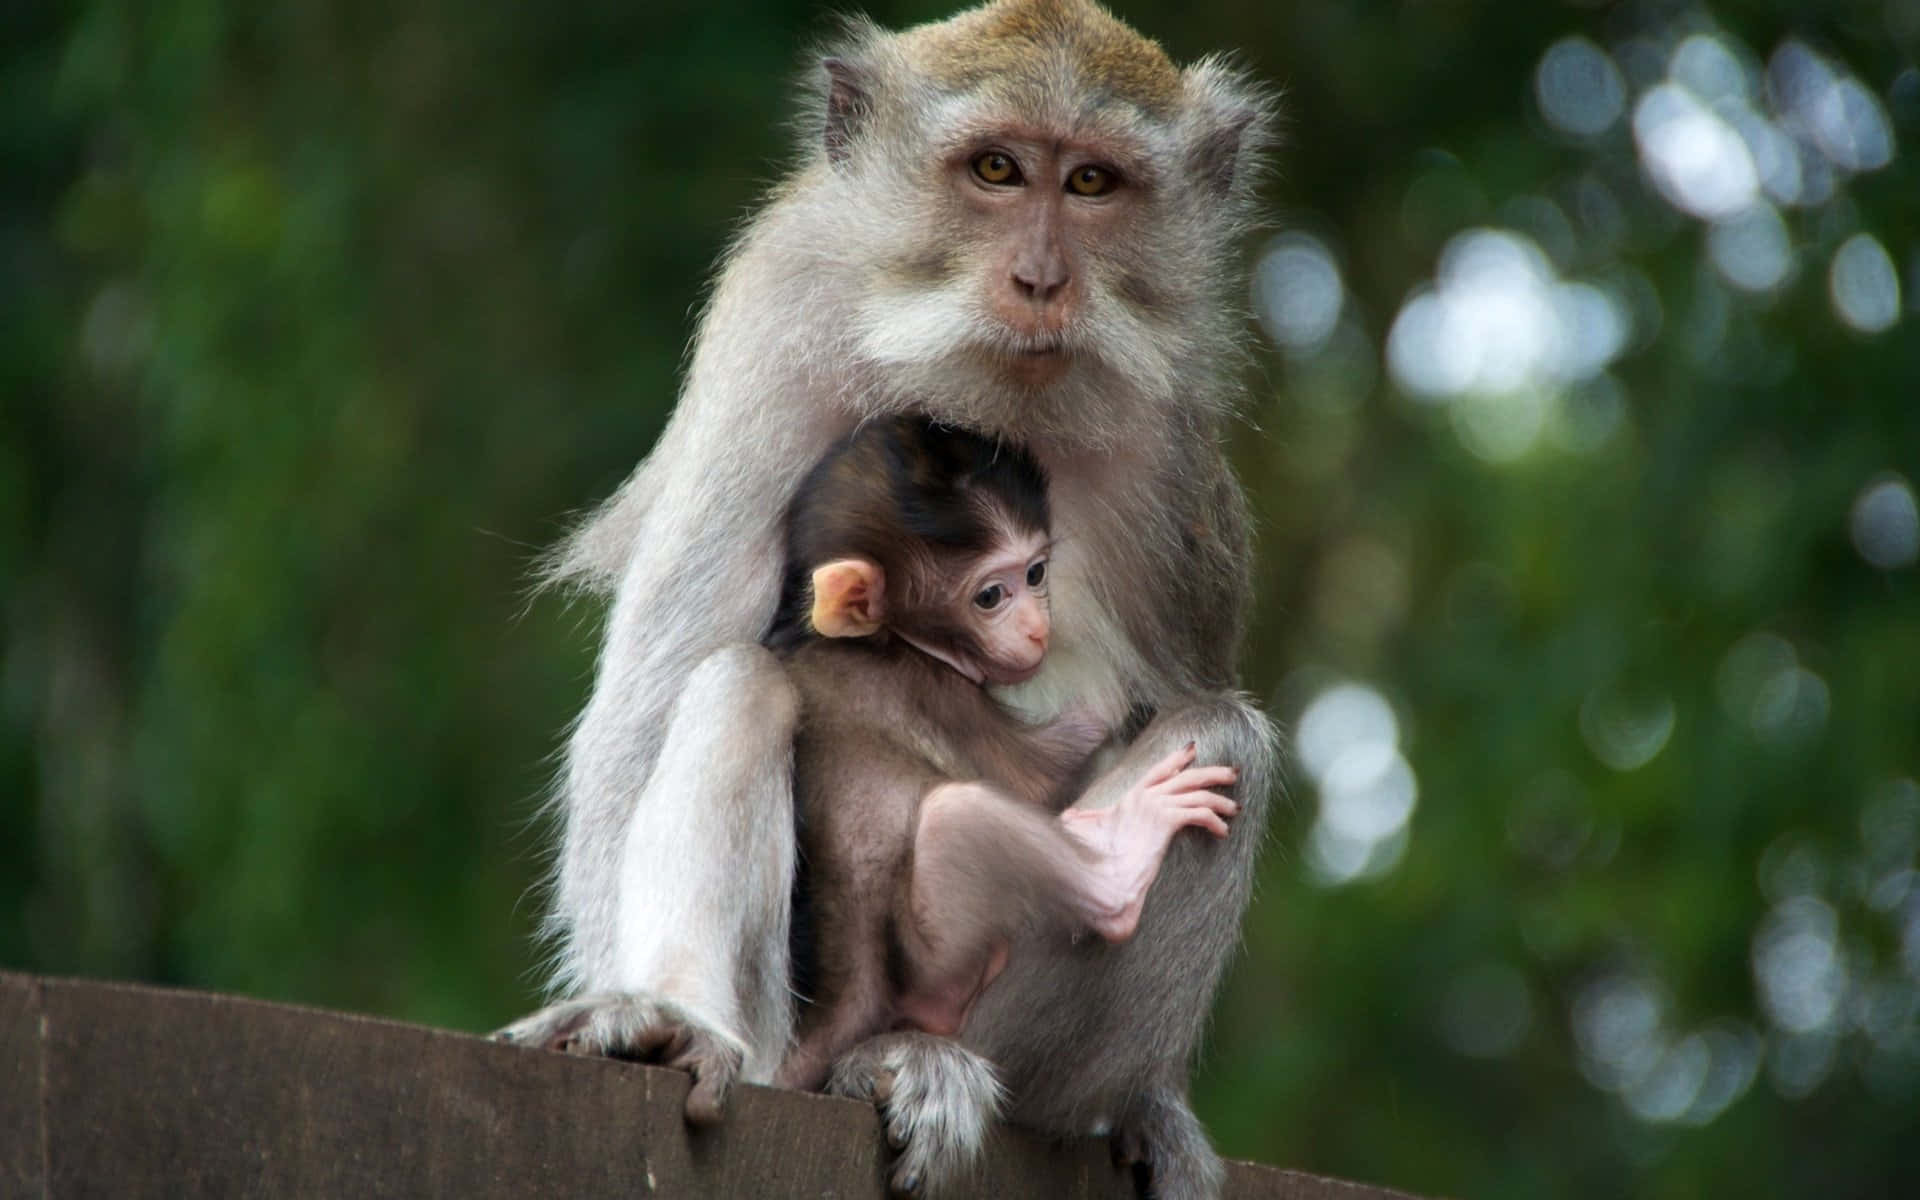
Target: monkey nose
x=1041 y=280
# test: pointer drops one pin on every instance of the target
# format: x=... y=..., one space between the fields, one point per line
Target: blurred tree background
x=1583 y=445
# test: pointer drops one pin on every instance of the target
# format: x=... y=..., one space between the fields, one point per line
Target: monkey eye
x=1037 y=574
x=997 y=168
x=1092 y=181
x=989 y=597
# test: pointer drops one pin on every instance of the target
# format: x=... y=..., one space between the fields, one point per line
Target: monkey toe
x=552 y=1028
x=715 y=1067
x=707 y=1100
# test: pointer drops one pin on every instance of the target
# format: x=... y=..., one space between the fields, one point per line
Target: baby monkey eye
x=996 y=168
x=1037 y=574
x=1092 y=181
x=989 y=597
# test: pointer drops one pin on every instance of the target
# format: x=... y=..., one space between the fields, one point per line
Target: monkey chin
x=1000 y=675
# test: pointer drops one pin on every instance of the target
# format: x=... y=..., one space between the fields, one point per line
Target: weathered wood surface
x=121 y=1090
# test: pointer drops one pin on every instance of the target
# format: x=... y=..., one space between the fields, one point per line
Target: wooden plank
x=21 y=1157
x=150 y=1092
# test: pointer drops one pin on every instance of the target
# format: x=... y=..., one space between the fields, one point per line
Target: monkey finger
x=1195 y=778
x=1169 y=766
x=1226 y=806
x=1211 y=814
x=1209 y=821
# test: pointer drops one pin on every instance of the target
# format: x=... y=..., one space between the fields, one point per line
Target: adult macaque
x=917 y=571
x=1022 y=221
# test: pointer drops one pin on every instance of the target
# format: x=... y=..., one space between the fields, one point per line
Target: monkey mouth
x=1036 y=360
x=1034 y=344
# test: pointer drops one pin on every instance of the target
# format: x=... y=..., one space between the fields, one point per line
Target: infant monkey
x=930 y=822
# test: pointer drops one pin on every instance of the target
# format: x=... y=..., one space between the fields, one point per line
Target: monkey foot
x=937 y=1099
x=639 y=1029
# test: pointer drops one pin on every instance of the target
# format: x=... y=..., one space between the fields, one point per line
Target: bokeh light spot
x=1864 y=287
x=1797 y=965
x=1751 y=249
x=1830 y=107
x=1578 y=88
x=1348 y=742
x=1791 y=706
x=1733 y=1050
x=1496 y=324
x=1698 y=161
x=1617 y=1029
x=1885 y=524
x=1667 y=1091
x=1297 y=292
x=1624 y=728
x=1706 y=66
x=1340 y=718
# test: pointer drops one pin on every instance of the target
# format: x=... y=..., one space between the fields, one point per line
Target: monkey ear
x=1233 y=125
x=849 y=598
x=849 y=104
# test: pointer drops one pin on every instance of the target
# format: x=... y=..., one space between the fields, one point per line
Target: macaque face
x=1038 y=211
x=1004 y=614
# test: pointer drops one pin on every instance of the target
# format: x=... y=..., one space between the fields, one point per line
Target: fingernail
x=1190 y=747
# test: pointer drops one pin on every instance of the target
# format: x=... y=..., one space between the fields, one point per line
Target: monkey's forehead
x=1020 y=48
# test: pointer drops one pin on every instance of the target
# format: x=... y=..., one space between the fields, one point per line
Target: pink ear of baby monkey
x=848 y=598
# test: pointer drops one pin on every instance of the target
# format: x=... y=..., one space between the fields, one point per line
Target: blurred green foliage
x=316 y=321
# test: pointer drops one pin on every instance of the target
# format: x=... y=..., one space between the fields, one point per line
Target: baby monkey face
x=1004 y=612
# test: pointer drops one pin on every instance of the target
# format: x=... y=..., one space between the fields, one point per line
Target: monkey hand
x=1125 y=843
x=640 y=1029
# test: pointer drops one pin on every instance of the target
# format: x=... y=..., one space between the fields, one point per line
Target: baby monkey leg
x=986 y=865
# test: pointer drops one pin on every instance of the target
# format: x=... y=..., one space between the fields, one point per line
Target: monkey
x=917 y=560
x=1024 y=220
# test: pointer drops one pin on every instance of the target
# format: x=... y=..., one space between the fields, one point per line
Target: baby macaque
x=930 y=818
